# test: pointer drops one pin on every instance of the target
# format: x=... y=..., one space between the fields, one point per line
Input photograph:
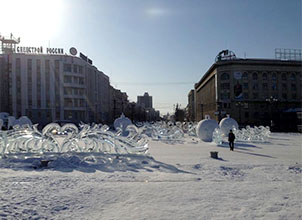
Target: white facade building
x=49 y=87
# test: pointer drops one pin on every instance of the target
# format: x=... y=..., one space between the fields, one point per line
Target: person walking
x=231 y=140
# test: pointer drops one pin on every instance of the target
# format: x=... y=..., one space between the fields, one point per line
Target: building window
x=29 y=64
x=57 y=115
x=225 y=76
x=245 y=76
x=38 y=65
x=274 y=77
x=284 y=86
x=39 y=103
x=256 y=114
x=225 y=96
x=255 y=95
x=255 y=76
x=294 y=96
x=265 y=86
x=245 y=95
x=67 y=79
x=246 y=115
x=67 y=67
x=245 y=86
x=68 y=102
x=293 y=77
x=274 y=86
x=255 y=86
x=284 y=96
x=225 y=85
x=264 y=76
x=283 y=77
x=81 y=81
x=293 y=87
x=225 y=105
x=82 y=103
x=67 y=91
x=80 y=69
x=75 y=68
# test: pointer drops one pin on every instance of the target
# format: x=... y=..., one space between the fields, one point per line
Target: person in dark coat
x=231 y=140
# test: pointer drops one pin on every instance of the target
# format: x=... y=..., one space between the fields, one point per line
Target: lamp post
x=271 y=100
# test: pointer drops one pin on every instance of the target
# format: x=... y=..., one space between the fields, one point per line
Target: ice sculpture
x=121 y=124
x=248 y=134
x=205 y=129
x=1 y=124
x=189 y=128
x=57 y=139
x=12 y=121
x=217 y=136
x=226 y=124
x=167 y=131
x=4 y=115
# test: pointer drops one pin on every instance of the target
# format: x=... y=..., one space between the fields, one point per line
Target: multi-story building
x=118 y=103
x=252 y=91
x=145 y=101
x=52 y=86
x=191 y=106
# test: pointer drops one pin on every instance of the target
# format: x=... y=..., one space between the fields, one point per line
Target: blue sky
x=162 y=47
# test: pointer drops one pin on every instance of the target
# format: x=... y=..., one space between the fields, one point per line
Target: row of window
x=255 y=76
x=68 y=102
x=265 y=86
x=73 y=91
x=227 y=96
x=74 y=79
x=73 y=68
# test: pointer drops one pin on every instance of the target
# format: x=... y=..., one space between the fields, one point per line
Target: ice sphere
x=226 y=124
x=205 y=129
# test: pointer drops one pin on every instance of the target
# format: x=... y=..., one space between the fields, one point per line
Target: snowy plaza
x=177 y=180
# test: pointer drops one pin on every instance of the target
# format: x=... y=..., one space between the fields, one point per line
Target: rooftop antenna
x=244 y=55
x=8 y=44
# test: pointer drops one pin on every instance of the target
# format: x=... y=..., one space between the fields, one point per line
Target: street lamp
x=271 y=100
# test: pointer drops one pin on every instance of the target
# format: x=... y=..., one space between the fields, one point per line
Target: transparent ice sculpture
x=57 y=139
x=217 y=136
x=249 y=134
x=121 y=124
x=167 y=131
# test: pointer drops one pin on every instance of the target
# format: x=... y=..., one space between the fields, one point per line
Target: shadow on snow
x=86 y=162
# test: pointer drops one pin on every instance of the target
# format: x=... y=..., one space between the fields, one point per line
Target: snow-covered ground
x=175 y=181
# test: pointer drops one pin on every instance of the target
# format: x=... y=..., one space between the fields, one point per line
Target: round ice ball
x=227 y=124
x=205 y=129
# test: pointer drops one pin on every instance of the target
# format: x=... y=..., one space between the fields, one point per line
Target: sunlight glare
x=34 y=20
